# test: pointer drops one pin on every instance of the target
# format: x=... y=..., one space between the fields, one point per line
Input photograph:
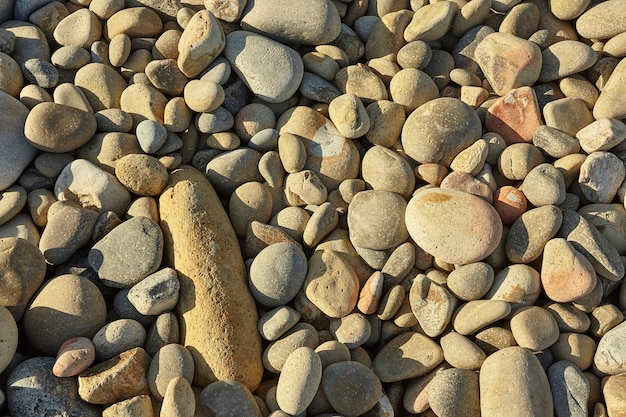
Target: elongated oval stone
x=454 y=226
x=216 y=311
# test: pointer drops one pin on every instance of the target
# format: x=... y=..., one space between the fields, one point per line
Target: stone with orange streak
x=510 y=203
x=515 y=116
x=371 y=294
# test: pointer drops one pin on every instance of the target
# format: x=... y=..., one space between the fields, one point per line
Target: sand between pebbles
x=317 y=208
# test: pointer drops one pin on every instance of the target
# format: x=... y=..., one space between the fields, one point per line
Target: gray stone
x=601 y=175
x=6 y=11
x=570 y=389
x=351 y=388
x=128 y=253
x=229 y=398
x=565 y=58
x=171 y=361
x=118 y=336
x=33 y=391
x=17 y=152
x=610 y=357
x=157 y=293
x=464 y=401
x=231 y=169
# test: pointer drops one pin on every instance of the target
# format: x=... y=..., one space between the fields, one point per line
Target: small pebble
x=74 y=356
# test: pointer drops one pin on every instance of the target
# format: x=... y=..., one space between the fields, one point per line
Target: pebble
x=32 y=389
x=334 y=297
x=526 y=239
x=576 y=348
x=299 y=380
x=81 y=28
x=338 y=380
x=610 y=357
x=431 y=22
x=432 y=305
x=570 y=389
x=113 y=120
x=565 y=58
x=118 y=336
x=19 y=153
x=387 y=230
x=361 y=81
x=436 y=225
x=408 y=355
x=566 y=275
x=74 y=356
x=567 y=114
x=517 y=284
x=508 y=61
x=534 y=328
x=470 y=282
x=179 y=399
x=117 y=379
x=475 y=315
x=157 y=293
x=460 y=352
x=601 y=135
x=515 y=116
x=464 y=383
x=517 y=396
x=101 y=84
x=276 y=322
x=12 y=201
x=432 y=133
x=609 y=220
x=139 y=405
x=321 y=25
x=231 y=169
x=386 y=121
x=78 y=309
x=601 y=175
x=411 y=88
x=510 y=203
x=554 y=142
x=226 y=398
x=349 y=115
x=612 y=390
x=588 y=25
x=170 y=362
x=353 y=330
x=8 y=345
x=518 y=159
x=277 y=274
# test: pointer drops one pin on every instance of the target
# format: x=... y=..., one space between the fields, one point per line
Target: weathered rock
x=225 y=345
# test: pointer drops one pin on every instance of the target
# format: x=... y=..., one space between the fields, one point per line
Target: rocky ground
x=312 y=208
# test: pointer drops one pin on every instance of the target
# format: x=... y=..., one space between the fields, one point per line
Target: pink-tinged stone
x=515 y=116
x=566 y=275
x=371 y=294
x=75 y=355
x=510 y=203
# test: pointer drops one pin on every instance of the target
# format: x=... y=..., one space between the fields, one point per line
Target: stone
x=12 y=79
x=242 y=51
x=315 y=23
x=462 y=181
x=566 y=275
x=157 y=293
x=33 y=389
x=18 y=152
x=113 y=120
x=68 y=229
x=460 y=352
x=8 y=345
x=231 y=169
x=128 y=253
x=23 y=269
x=609 y=220
x=601 y=22
x=411 y=88
x=565 y=58
x=333 y=157
x=362 y=81
x=371 y=294
x=465 y=401
x=613 y=391
x=517 y=284
x=166 y=77
x=610 y=104
x=470 y=282
x=179 y=399
x=526 y=239
x=353 y=330
x=227 y=398
x=515 y=116
x=70 y=57
x=408 y=355
x=30 y=41
x=554 y=142
x=55 y=127
x=426 y=144
x=105 y=149
x=118 y=336
x=386 y=121
x=431 y=22
x=505 y=385
x=171 y=361
x=601 y=175
x=601 y=135
x=339 y=376
x=101 y=84
x=568 y=317
x=41 y=73
x=138 y=405
x=117 y=379
x=508 y=61
x=135 y=22
x=299 y=380
x=277 y=274
x=143 y=102
x=141 y=174
x=73 y=303
x=436 y=225
x=534 y=328
x=567 y=114
x=335 y=297
x=74 y=356
x=163 y=331
x=277 y=352
x=610 y=357
x=475 y=315
x=276 y=322
x=81 y=28
x=251 y=201
x=349 y=115
x=203 y=255
x=387 y=229
x=576 y=348
x=518 y=159
x=587 y=240
x=432 y=305
x=510 y=203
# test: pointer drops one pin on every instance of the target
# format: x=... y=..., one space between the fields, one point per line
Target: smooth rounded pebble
x=351 y=388
x=171 y=361
x=229 y=398
x=453 y=226
x=156 y=293
x=8 y=344
x=277 y=274
x=141 y=174
x=408 y=355
x=74 y=356
x=299 y=380
x=118 y=336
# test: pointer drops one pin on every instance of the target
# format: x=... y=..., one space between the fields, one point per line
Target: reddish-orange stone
x=510 y=203
x=515 y=116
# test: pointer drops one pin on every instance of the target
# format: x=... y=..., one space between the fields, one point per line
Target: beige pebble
x=534 y=328
x=575 y=347
x=81 y=28
x=249 y=202
x=408 y=355
x=475 y=315
x=101 y=84
x=411 y=88
x=432 y=305
x=322 y=222
x=460 y=352
x=141 y=174
x=138 y=405
x=349 y=116
x=134 y=22
x=431 y=22
x=361 y=81
x=179 y=399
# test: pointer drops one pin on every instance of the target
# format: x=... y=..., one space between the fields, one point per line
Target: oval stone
x=299 y=380
x=200 y=43
x=454 y=226
x=249 y=53
x=58 y=128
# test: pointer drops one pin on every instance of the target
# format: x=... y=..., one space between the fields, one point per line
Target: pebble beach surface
x=322 y=208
